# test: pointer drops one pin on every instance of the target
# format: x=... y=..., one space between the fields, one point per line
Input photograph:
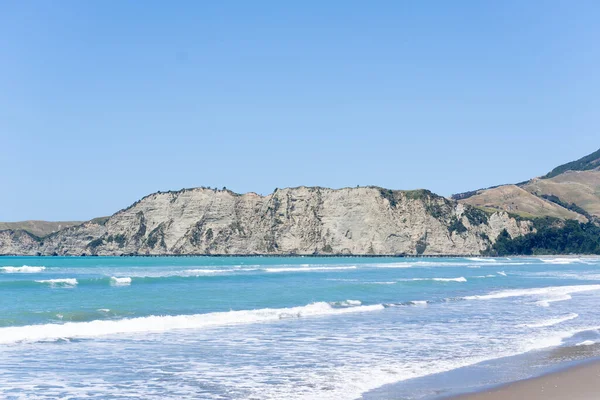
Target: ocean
x=277 y=328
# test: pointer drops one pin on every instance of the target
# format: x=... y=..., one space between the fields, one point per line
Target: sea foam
x=50 y=332
x=66 y=283
x=125 y=281
x=551 y=293
x=308 y=269
x=25 y=269
x=459 y=279
x=551 y=321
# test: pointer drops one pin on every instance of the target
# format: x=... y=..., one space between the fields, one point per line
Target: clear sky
x=103 y=102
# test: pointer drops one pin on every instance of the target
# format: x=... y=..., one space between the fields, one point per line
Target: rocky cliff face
x=304 y=220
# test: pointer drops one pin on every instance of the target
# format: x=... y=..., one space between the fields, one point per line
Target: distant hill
x=38 y=228
x=591 y=161
x=500 y=220
x=291 y=221
x=569 y=191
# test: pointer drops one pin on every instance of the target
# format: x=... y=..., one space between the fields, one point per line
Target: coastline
x=559 y=373
x=580 y=382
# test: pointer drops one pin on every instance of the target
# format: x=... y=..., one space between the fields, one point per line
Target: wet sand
x=581 y=382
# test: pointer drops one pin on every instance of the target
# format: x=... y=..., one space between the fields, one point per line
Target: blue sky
x=103 y=102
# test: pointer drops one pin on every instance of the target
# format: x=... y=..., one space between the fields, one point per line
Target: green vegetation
x=119 y=239
x=573 y=207
x=456 y=225
x=155 y=235
x=570 y=238
x=435 y=210
x=95 y=243
x=475 y=215
x=583 y=164
x=420 y=194
x=421 y=245
x=100 y=220
x=389 y=195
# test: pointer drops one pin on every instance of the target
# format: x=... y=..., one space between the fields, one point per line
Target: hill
x=292 y=221
x=569 y=191
x=591 y=161
x=38 y=228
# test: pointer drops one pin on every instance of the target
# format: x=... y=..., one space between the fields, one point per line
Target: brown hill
x=38 y=228
x=569 y=191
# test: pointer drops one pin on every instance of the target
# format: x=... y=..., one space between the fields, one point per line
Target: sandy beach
x=581 y=382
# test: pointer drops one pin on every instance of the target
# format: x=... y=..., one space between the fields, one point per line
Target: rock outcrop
x=303 y=221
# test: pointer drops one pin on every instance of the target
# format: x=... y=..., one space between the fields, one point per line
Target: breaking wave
x=25 y=269
x=308 y=269
x=125 y=281
x=459 y=279
x=71 y=330
x=56 y=283
x=550 y=294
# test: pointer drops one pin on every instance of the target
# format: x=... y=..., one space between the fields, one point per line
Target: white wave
x=347 y=303
x=50 y=332
x=473 y=266
x=188 y=273
x=124 y=281
x=67 y=282
x=555 y=293
x=308 y=269
x=419 y=302
x=560 y=260
x=553 y=299
x=105 y=310
x=198 y=272
x=25 y=269
x=391 y=265
x=501 y=273
x=459 y=279
x=382 y=283
x=550 y=322
x=481 y=259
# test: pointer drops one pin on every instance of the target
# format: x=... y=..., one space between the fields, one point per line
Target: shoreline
x=514 y=377
x=578 y=382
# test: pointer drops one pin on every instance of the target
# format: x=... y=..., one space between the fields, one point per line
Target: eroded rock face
x=18 y=242
x=304 y=220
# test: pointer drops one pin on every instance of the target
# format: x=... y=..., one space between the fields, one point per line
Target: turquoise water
x=273 y=328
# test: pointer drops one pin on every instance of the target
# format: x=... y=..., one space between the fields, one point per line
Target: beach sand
x=581 y=382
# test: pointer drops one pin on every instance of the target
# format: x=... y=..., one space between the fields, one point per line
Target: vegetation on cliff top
x=571 y=237
x=586 y=163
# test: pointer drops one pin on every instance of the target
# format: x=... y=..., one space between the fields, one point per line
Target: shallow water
x=272 y=328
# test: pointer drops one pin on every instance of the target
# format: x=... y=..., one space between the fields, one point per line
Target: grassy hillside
x=586 y=163
x=574 y=187
x=569 y=191
x=516 y=200
x=38 y=228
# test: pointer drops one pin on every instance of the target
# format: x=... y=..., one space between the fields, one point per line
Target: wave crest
x=66 y=282
x=25 y=269
x=52 y=332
